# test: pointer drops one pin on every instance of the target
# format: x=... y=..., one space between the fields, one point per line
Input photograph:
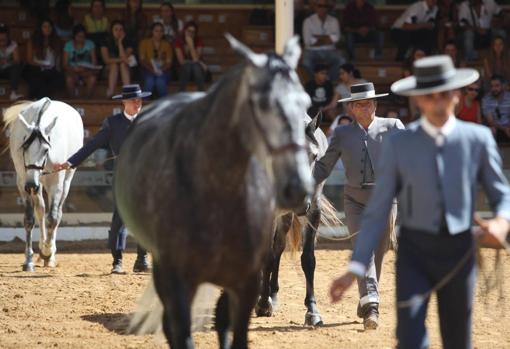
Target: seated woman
x=64 y=20
x=468 y=108
x=10 y=65
x=188 y=49
x=171 y=24
x=497 y=61
x=156 y=59
x=116 y=52
x=135 y=21
x=43 y=56
x=96 y=23
x=80 y=62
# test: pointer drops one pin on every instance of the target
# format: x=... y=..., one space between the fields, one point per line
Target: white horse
x=42 y=133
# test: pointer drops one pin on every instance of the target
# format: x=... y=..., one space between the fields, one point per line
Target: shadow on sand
x=114 y=322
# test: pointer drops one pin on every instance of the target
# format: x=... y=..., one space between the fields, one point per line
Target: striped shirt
x=498 y=107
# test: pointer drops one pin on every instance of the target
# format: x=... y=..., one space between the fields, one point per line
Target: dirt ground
x=80 y=305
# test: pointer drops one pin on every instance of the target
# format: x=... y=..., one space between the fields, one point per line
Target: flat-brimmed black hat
x=434 y=74
x=363 y=91
x=131 y=92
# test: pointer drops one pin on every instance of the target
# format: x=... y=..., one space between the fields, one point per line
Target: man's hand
x=340 y=285
x=60 y=167
x=491 y=232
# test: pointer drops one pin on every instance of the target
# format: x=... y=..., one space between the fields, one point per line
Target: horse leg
x=264 y=306
x=28 y=222
x=40 y=209
x=176 y=295
x=312 y=317
x=54 y=217
x=222 y=319
x=242 y=305
x=278 y=248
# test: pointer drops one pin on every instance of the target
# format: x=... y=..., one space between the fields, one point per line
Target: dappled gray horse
x=199 y=180
x=292 y=226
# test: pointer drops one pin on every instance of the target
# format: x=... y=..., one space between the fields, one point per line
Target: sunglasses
x=472 y=89
x=322 y=5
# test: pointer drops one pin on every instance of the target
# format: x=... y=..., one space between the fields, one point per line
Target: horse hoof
x=274 y=301
x=313 y=319
x=29 y=267
x=264 y=310
x=49 y=263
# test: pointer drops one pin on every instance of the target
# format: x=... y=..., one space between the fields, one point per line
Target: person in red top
x=188 y=49
x=360 y=22
x=469 y=108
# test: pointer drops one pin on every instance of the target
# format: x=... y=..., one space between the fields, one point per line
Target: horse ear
x=292 y=51
x=316 y=121
x=256 y=59
x=23 y=121
x=48 y=128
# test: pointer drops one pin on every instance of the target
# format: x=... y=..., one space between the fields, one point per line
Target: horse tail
x=294 y=235
x=329 y=215
x=11 y=113
x=148 y=315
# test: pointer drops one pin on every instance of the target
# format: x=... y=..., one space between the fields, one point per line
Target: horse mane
x=11 y=113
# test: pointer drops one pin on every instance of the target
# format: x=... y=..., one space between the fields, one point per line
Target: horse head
x=35 y=147
x=277 y=102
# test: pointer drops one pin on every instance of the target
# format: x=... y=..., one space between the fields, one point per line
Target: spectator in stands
x=452 y=50
x=497 y=61
x=320 y=90
x=64 y=20
x=300 y=14
x=156 y=60
x=10 y=63
x=168 y=18
x=340 y=120
x=321 y=33
x=407 y=70
x=43 y=58
x=479 y=21
x=135 y=21
x=361 y=23
x=447 y=20
x=96 y=23
x=80 y=62
x=347 y=77
x=117 y=51
x=415 y=25
x=496 y=108
x=188 y=49
x=469 y=108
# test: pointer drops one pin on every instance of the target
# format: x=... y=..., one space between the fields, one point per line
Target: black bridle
x=36 y=134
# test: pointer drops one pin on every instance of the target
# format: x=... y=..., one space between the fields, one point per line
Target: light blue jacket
x=430 y=180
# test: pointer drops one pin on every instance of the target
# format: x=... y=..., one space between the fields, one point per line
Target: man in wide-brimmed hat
x=434 y=167
x=359 y=144
x=112 y=134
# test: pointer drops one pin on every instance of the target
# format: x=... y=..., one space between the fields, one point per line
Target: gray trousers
x=355 y=200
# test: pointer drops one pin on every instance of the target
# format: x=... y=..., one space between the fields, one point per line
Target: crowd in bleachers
x=66 y=54
x=473 y=33
x=62 y=51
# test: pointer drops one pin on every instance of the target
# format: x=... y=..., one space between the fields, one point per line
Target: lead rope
x=45 y=173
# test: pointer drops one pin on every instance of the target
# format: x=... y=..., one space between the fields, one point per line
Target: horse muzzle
x=295 y=194
x=32 y=187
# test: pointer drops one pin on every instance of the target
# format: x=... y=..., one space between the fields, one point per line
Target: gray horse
x=199 y=180
x=291 y=227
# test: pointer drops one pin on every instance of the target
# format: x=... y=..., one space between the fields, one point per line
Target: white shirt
x=417 y=13
x=130 y=117
x=489 y=9
x=439 y=134
x=313 y=25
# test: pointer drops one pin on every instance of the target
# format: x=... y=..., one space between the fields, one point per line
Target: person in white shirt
x=416 y=25
x=476 y=18
x=321 y=33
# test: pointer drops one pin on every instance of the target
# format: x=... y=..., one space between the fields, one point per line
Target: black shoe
x=117 y=267
x=142 y=264
x=371 y=319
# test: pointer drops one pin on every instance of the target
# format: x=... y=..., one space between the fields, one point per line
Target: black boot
x=142 y=261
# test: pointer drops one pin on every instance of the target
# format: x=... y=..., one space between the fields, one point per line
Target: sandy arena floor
x=80 y=305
